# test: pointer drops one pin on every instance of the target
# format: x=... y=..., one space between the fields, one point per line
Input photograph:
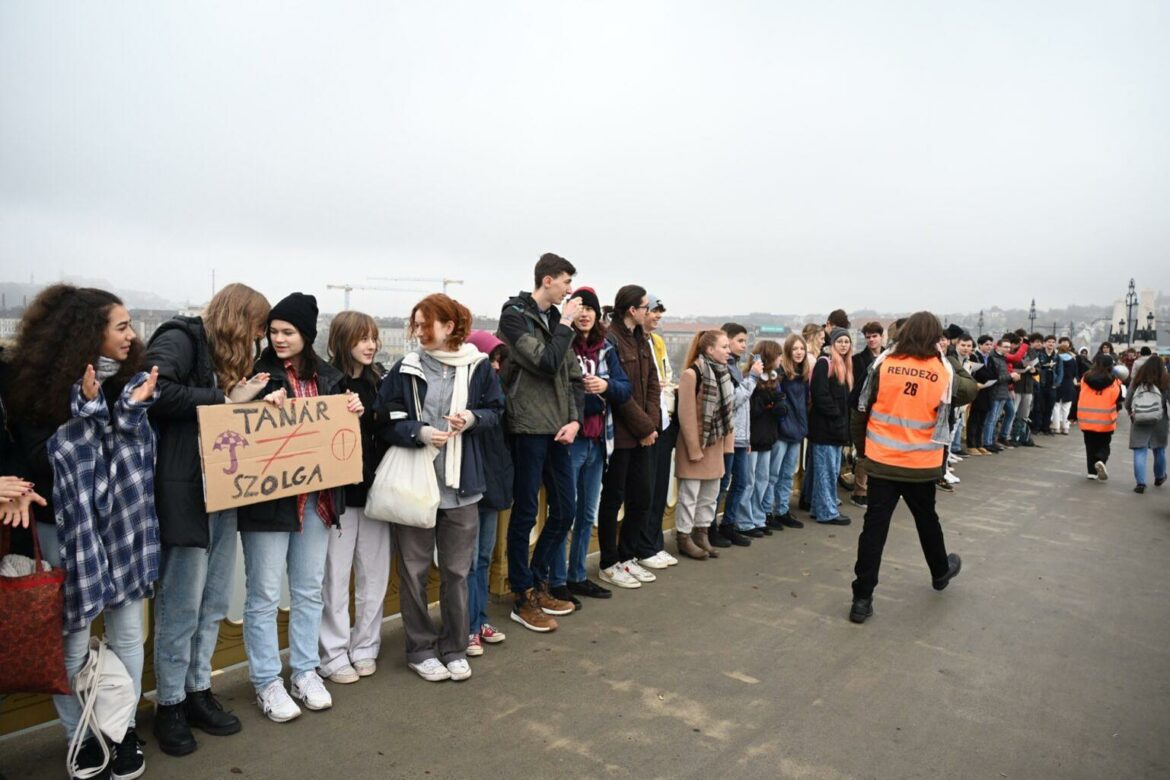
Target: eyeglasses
x=646 y=307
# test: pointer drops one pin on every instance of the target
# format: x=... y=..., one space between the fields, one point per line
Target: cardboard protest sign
x=259 y=452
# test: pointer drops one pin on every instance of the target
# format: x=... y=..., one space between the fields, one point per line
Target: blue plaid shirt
x=103 y=492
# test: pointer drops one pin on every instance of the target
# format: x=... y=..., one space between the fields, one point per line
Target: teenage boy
x=1026 y=390
x=874 y=333
x=985 y=375
x=963 y=345
x=629 y=474
x=1001 y=394
x=545 y=399
x=737 y=477
x=664 y=447
x=1044 y=395
x=1014 y=347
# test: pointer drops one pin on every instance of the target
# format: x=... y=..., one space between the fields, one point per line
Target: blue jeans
x=737 y=478
x=991 y=420
x=1140 y=457
x=588 y=464
x=826 y=465
x=785 y=459
x=267 y=556
x=190 y=601
x=481 y=562
x=125 y=633
x=957 y=439
x=759 y=503
x=1009 y=416
x=537 y=459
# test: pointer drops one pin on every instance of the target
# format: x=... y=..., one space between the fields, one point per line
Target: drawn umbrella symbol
x=229 y=440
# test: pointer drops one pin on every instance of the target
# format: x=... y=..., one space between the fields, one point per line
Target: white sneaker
x=951 y=478
x=345 y=675
x=432 y=670
x=1102 y=474
x=670 y=559
x=365 y=667
x=617 y=575
x=637 y=572
x=308 y=688
x=459 y=669
x=653 y=562
x=275 y=702
x=1091 y=476
x=952 y=458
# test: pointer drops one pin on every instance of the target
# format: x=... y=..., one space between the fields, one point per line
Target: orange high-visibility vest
x=902 y=418
x=1097 y=409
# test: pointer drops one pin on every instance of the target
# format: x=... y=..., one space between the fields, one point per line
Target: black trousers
x=628 y=480
x=1096 y=447
x=1043 y=401
x=883 y=499
x=662 y=450
x=975 y=426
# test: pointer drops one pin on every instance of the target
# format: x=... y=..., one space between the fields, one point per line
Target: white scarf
x=463 y=360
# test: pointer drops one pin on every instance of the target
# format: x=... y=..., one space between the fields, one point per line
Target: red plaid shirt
x=307 y=388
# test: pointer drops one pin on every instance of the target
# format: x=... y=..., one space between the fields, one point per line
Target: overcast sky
x=730 y=156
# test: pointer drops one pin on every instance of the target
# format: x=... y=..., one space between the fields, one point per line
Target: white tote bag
x=405 y=489
x=106 y=692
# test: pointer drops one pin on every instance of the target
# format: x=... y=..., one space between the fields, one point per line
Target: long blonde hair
x=231 y=320
x=788 y=365
x=814 y=338
x=841 y=365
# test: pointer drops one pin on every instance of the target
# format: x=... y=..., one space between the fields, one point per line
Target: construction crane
x=350 y=287
x=445 y=282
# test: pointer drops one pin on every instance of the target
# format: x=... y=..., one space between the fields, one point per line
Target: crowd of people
x=570 y=398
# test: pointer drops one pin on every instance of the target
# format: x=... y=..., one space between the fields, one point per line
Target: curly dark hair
x=60 y=334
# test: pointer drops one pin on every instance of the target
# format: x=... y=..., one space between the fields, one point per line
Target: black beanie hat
x=953 y=332
x=300 y=311
x=588 y=298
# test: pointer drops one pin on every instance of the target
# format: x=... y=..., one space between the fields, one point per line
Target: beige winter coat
x=690 y=424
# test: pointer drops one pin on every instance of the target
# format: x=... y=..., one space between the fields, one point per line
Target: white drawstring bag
x=405 y=488
x=106 y=692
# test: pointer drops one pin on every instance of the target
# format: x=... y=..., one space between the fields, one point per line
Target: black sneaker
x=861 y=501
x=729 y=533
x=715 y=538
x=563 y=593
x=790 y=520
x=205 y=713
x=861 y=609
x=774 y=523
x=1159 y=481
x=838 y=520
x=172 y=731
x=754 y=533
x=129 y=761
x=954 y=564
x=90 y=757
x=589 y=589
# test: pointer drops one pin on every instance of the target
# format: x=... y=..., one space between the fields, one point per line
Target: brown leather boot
x=699 y=536
x=688 y=547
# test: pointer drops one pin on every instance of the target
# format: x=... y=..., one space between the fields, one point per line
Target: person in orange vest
x=1097 y=405
x=906 y=395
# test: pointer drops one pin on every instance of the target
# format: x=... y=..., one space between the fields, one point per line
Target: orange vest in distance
x=1097 y=409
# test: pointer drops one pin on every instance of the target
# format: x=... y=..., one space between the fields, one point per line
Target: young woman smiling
x=290 y=534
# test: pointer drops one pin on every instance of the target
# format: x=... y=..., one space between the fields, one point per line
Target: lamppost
x=1131 y=301
x=1032 y=317
x=1148 y=333
x=981 y=322
x=1121 y=336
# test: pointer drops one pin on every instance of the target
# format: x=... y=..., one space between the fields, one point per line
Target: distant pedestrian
x=1149 y=414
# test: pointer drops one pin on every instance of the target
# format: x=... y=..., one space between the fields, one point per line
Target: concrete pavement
x=1049 y=656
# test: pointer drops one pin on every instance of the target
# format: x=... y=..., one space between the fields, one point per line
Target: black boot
x=205 y=713
x=172 y=730
x=729 y=533
x=715 y=539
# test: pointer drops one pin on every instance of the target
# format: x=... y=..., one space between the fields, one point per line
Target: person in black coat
x=292 y=533
x=828 y=424
x=202 y=361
